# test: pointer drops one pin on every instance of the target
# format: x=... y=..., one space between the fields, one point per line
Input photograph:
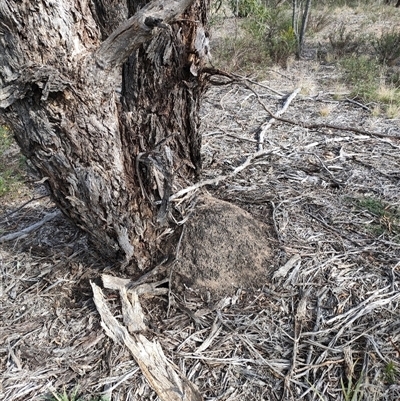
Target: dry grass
x=326 y=322
x=330 y=312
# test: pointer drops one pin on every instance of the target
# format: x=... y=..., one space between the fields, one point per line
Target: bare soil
x=316 y=319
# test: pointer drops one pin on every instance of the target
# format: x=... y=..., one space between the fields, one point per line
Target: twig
x=21 y=207
x=27 y=230
x=216 y=180
x=216 y=71
x=298 y=322
x=236 y=78
x=266 y=126
x=340 y=234
x=276 y=228
x=308 y=366
x=358 y=104
x=259 y=84
x=178 y=248
x=337 y=182
x=338 y=128
x=320 y=126
x=224 y=133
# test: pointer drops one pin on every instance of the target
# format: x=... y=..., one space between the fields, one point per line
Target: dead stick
x=320 y=126
x=161 y=375
x=236 y=78
x=239 y=79
x=216 y=180
x=21 y=207
x=24 y=232
x=266 y=126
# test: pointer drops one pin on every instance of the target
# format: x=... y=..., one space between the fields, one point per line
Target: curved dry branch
x=319 y=126
x=237 y=79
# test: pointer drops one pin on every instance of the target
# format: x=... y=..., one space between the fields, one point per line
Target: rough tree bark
x=103 y=97
x=397 y=3
x=304 y=23
x=300 y=14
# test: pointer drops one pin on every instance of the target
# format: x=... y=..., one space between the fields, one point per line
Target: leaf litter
x=326 y=324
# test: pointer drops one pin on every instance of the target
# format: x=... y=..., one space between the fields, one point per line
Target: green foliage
x=216 y=6
x=11 y=165
x=318 y=21
x=372 y=205
x=5 y=139
x=393 y=78
x=4 y=185
x=316 y=392
x=281 y=45
x=256 y=23
x=74 y=396
x=273 y=28
x=244 y=54
x=389 y=95
x=366 y=77
x=352 y=392
x=267 y=31
x=265 y=35
x=245 y=8
x=363 y=74
x=370 y=79
x=391 y=374
x=365 y=71
x=344 y=3
x=387 y=47
x=386 y=217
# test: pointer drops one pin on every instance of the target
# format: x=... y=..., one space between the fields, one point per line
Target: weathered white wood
x=162 y=376
x=143 y=289
x=266 y=126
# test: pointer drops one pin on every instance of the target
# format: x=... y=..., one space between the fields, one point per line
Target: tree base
x=224 y=248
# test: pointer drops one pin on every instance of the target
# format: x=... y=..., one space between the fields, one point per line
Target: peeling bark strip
x=137 y=30
x=169 y=384
x=83 y=120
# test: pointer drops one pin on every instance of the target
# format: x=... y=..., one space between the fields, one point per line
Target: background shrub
x=245 y=8
x=387 y=47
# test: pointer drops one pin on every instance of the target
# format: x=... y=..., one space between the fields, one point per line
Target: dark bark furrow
x=84 y=127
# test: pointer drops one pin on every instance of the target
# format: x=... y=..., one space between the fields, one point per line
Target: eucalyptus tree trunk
x=295 y=19
x=300 y=14
x=304 y=23
x=103 y=97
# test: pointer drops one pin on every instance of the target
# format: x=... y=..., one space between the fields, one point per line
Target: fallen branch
x=27 y=230
x=21 y=207
x=216 y=180
x=235 y=78
x=320 y=126
x=363 y=106
x=169 y=384
x=243 y=80
x=266 y=126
